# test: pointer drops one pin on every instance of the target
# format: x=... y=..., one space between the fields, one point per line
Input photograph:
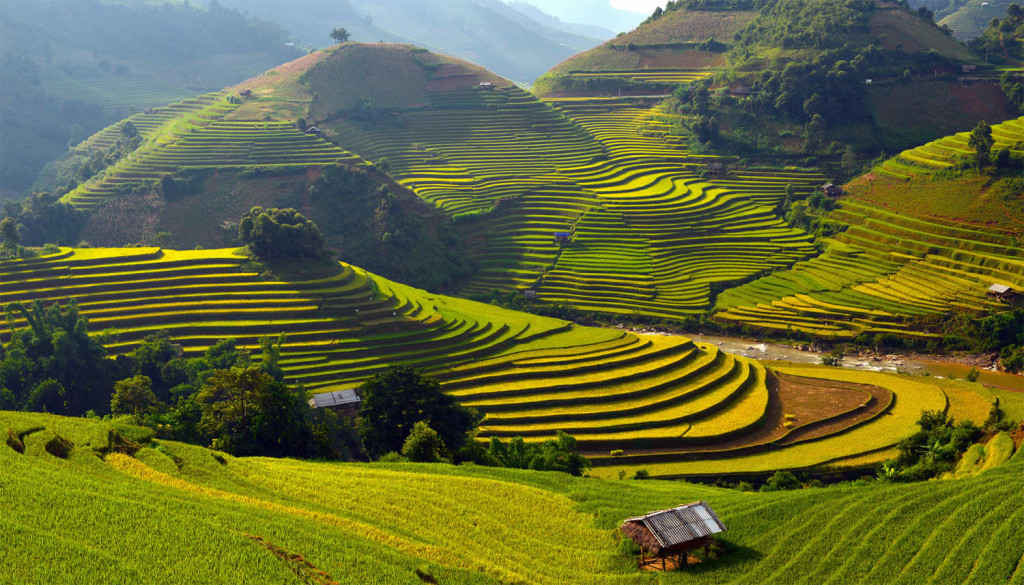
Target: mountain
x=554 y=22
x=72 y=67
x=487 y=32
x=865 y=67
x=591 y=12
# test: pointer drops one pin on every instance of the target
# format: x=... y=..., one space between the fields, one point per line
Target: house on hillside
x=314 y=130
x=486 y=85
x=669 y=535
x=740 y=91
x=968 y=69
x=714 y=170
x=1001 y=292
x=344 y=401
x=530 y=294
x=831 y=190
x=563 y=237
x=246 y=93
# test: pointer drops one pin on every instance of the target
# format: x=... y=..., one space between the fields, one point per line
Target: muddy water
x=774 y=351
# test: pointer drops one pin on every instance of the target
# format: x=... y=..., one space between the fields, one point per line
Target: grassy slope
x=148 y=520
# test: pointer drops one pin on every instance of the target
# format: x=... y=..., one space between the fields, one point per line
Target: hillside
x=883 y=75
x=83 y=517
x=684 y=405
x=71 y=68
x=914 y=239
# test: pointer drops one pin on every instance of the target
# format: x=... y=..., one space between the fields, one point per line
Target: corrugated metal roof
x=682 y=524
x=998 y=288
x=336 y=398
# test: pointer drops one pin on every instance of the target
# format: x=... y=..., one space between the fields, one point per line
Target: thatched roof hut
x=674 y=531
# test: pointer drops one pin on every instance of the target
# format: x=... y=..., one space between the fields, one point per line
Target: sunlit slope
x=530 y=376
x=913 y=246
x=647 y=234
x=82 y=519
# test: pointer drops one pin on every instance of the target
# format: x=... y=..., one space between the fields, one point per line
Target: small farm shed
x=346 y=401
x=831 y=190
x=714 y=170
x=968 y=69
x=673 y=532
x=314 y=130
x=739 y=91
x=530 y=294
x=486 y=85
x=246 y=93
x=563 y=237
x=1001 y=292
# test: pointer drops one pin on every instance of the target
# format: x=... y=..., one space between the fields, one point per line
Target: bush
x=781 y=481
x=642 y=474
x=14 y=442
x=422 y=445
x=58 y=446
x=280 y=234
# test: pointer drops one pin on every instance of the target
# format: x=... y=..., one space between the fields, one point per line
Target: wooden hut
x=314 y=130
x=968 y=69
x=344 y=401
x=563 y=237
x=831 y=190
x=486 y=85
x=714 y=170
x=672 y=533
x=1001 y=292
x=246 y=93
x=530 y=294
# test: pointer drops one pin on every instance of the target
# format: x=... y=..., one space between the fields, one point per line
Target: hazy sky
x=642 y=6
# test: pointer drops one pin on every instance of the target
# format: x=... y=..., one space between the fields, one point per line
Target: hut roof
x=673 y=527
x=336 y=398
x=999 y=288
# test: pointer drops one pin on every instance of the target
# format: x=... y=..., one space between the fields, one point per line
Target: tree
x=981 y=141
x=398 y=398
x=849 y=162
x=9 y=239
x=280 y=234
x=340 y=35
x=134 y=396
x=423 y=445
x=245 y=411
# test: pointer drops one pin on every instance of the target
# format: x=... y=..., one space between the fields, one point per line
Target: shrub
x=423 y=444
x=14 y=442
x=617 y=452
x=781 y=481
x=642 y=474
x=58 y=446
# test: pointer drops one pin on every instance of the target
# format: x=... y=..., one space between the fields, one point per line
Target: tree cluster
x=280 y=234
x=933 y=450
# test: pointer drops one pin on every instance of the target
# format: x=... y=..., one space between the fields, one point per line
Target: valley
x=381 y=314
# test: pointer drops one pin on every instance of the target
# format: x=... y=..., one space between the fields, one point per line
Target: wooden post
x=663 y=562
x=643 y=561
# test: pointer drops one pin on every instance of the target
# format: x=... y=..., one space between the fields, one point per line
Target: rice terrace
x=735 y=295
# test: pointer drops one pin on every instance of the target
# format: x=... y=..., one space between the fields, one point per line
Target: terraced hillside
x=197 y=134
x=946 y=151
x=531 y=376
x=647 y=233
x=915 y=244
x=287 y=521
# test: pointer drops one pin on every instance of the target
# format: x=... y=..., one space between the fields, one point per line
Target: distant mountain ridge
x=491 y=33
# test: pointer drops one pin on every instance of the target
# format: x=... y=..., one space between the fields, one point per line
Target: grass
x=82 y=519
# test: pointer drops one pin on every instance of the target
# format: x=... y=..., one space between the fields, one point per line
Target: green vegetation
x=396 y=523
x=396 y=401
x=530 y=376
x=70 y=68
x=280 y=234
